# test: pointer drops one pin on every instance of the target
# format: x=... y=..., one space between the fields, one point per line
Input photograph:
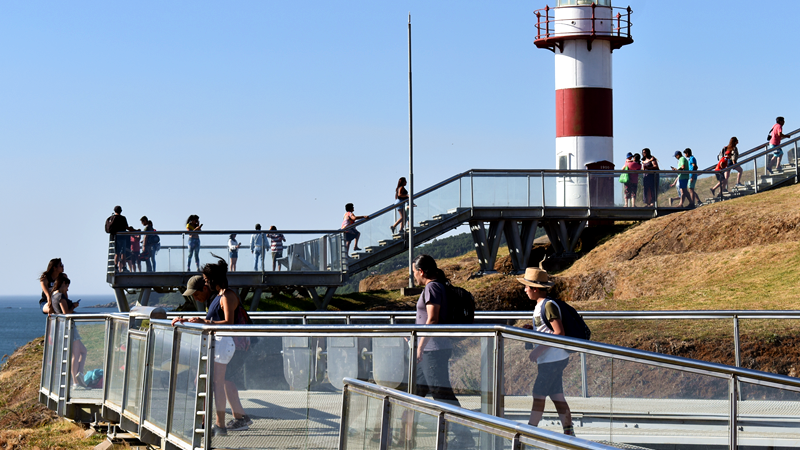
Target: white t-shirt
x=552 y=354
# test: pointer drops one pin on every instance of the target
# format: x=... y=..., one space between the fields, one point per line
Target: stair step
x=371 y=249
x=385 y=242
x=441 y=216
x=427 y=223
x=397 y=237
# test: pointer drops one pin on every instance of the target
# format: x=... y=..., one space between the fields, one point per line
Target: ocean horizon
x=23 y=320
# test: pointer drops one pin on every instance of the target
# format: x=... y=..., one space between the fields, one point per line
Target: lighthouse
x=583 y=34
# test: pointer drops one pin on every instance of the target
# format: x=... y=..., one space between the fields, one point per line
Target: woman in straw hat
x=551 y=361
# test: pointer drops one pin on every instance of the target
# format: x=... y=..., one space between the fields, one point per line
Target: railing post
x=183 y=249
x=386 y=419
x=441 y=432
x=584 y=380
x=547 y=21
x=796 y=166
x=755 y=174
x=412 y=364
x=343 y=417
x=736 y=347
x=733 y=387
x=629 y=21
x=594 y=5
x=498 y=404
x=538 y=25
x=619 y=24
x=528 y=177
x=471 y=192
x=173 y=369
x=543 y=195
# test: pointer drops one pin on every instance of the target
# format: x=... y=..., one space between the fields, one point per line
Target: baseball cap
x=677 y=153
x=196 y=283
x=629 y=155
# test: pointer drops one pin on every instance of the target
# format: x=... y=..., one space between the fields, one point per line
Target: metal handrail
x=553 y=340
x=757 y=148
x=489 y=421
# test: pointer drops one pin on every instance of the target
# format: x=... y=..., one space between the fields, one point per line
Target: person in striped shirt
x=276 y=241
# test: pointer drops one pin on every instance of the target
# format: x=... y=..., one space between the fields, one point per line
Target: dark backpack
x=460 y=306
x=154 y=239
x=574 y=326
x=110 y=222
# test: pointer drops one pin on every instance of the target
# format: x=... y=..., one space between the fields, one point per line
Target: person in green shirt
x=683 y=179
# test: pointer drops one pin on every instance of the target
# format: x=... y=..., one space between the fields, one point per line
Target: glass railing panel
x=282 y=385
x=375 y=232
x=567 y=190
x=606 y=190
x=465 y=192
x=762 y=344
x=184 y=380
x=116 y=367
x=585 y=384
x=462 y=436
x=767 y=416
x=48 y=352
x=58 y=356
x=746 y=179
x=88 y=354
x=133 y=375
x=500 y=190
x=411 y=429
x=158 y=375
x=364 y=415
x=536 y=190
x=436 y=205
x=458 y=371
x=390 y=359
x=642 y=390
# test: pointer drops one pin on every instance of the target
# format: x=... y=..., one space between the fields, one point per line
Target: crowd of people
x=131 y=250
x=685 y=183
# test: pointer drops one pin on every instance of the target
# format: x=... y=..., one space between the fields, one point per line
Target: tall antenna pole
x=410 y=169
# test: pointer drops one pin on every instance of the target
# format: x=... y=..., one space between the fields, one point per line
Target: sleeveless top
x=49 y=282
x=215 y=311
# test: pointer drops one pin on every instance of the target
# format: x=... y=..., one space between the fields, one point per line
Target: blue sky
x=281 y=112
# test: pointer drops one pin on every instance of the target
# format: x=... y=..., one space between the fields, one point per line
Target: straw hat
x=537 y=278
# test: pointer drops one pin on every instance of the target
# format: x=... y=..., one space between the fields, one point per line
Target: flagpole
x=410 y=169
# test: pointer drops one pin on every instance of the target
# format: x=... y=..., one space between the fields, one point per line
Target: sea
x=22 y=319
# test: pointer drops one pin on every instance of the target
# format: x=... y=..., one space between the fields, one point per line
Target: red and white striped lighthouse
x=582 y=34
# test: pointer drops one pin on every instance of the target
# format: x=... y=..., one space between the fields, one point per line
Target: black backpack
x=574 y=326
x=460 y=306
x=110 y=222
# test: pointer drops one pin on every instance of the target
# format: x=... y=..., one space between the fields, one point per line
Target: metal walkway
x=157 y=383
x=513 y=203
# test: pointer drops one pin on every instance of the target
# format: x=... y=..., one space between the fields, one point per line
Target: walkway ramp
x=513 y=203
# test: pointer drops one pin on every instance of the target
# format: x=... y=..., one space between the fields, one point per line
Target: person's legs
x=355 y=242
x=563 y=413
x=234 y=377
x=436 y=369
x=255 y=260
x=77 y=362
x=739 y=176
x=219 y=393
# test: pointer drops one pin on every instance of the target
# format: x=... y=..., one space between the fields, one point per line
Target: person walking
x=151 y=243
x=694 y=199
x=351 y=234
x=775 y=136
x=433 y=353
x=551 y=361
x=683 y=178
x=720 y=174
x=114 y=224
x=732 y=147
x=400 y=197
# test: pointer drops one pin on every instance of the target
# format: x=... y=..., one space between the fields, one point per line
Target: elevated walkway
x=157 y=385
x=513 y=203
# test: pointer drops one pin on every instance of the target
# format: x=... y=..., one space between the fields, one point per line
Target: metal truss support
x=321 y=304
x=519 y=239
x=487 y=244
x=122 y=300
x=256 y=298
x=520 y=242
x=144 y=296
x=564 y=235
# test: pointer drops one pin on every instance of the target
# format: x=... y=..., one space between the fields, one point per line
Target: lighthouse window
x=583 y=2
x=563 y=162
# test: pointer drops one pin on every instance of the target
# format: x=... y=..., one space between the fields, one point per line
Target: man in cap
x=551 y=361
x=198 y=290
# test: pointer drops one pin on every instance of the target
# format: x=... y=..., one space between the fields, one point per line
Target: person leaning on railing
x=229 y=353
